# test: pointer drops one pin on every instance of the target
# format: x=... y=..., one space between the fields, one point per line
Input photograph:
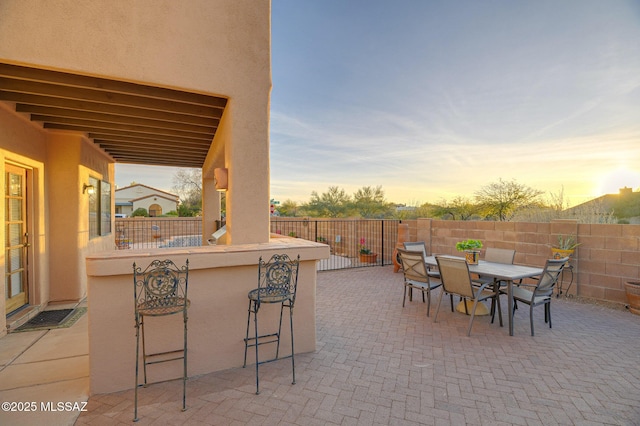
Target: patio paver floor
x=379 y=363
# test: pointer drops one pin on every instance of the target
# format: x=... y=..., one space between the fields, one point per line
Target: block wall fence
x=607 y=257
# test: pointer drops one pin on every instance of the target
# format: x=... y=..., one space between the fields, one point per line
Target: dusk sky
x=435 y=99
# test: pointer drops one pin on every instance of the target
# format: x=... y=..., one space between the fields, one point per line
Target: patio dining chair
x=456 y=279
x=416 y=276
x=160 y=290
x=495 y=255
x=277 y=284
x=421 y=246
x=540 y=293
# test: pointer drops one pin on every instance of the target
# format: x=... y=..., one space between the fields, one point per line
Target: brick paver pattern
x=377 y=363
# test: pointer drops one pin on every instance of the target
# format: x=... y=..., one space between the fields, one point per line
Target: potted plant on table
x=565 y=246
x=471 y=249
x=366 y=255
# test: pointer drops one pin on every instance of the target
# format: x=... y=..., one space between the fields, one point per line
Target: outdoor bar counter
x=220 y=277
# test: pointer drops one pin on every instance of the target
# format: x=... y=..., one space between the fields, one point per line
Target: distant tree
x=187 y=211
x=553 y=208
x=140 y=211
x=595 y=211
x=369 y=202
x=187 y=184
x=333 y=203
x=288 y=208
x=460 y=208
x=502 y=199
x=627 y=205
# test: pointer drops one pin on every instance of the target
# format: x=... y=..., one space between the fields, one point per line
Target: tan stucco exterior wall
x=24 y=145
x=72 y=159
x=57 y=165
x=219 y=279
x=216 y=47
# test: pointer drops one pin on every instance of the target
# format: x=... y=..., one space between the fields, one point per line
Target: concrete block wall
x=608 y=255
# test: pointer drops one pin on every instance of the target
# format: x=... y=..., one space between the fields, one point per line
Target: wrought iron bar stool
x=277 y=283
x=159 y=290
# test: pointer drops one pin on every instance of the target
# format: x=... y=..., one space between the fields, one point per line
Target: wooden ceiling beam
x=104 y=97
x=27 y=99
x=112 y=118
x=108 y=144
x=102 y=84
x=93 y=126
x=164 y=161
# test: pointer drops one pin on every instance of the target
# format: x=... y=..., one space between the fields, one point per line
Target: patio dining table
x=500 y=272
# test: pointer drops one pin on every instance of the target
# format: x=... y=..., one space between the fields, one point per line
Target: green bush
x=140 y=211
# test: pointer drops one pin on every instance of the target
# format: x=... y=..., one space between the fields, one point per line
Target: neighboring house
x=625 y=205
x=154 y=201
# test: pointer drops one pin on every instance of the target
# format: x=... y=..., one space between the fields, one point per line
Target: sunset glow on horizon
x=434 y=100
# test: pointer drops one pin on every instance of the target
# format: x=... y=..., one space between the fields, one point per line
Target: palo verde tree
x=460 y=208
x=370 y=203
x=289 y=208
x=333 y=203
x=502 y=199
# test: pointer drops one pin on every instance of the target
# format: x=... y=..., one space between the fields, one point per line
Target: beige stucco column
x=247 y=158
x=210 y=208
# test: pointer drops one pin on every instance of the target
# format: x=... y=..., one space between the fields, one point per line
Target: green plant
x=363 y=248
x=293 y=234
x=140 y=211
x=566 y=242
x=321 y=240
x=469 y=245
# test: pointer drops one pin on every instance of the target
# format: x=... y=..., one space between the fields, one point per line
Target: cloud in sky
x=435 y=99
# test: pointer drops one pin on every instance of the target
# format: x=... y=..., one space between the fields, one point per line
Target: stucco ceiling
x=133 y=123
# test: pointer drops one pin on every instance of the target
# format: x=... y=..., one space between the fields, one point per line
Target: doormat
x=47 y=320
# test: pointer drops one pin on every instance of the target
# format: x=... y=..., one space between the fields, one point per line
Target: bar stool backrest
x=161 y=288
x=278 y=278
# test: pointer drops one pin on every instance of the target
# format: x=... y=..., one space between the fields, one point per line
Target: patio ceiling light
x=90 y=189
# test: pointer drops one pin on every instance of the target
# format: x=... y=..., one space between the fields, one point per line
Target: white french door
x=16 y=279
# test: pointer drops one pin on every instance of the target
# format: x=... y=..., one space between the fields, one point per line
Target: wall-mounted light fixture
x=89 y=189
x=221 y=178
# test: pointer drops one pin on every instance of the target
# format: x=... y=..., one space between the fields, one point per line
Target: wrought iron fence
x=353 y=243
x=146 y=232
x=347 y=239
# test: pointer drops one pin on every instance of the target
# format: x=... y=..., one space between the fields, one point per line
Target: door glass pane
x=15 y=259
x=14 y=209
x=16 y=283
x=14 y=234
x=94 y=209
x=15 y=184
x=105 y=208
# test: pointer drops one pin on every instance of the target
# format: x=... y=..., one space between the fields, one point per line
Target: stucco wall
x=23 y=144
x=57 y=164
x=220 y=278
x=217 y=47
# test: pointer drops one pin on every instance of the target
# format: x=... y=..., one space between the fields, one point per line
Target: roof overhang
x=133 y=123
